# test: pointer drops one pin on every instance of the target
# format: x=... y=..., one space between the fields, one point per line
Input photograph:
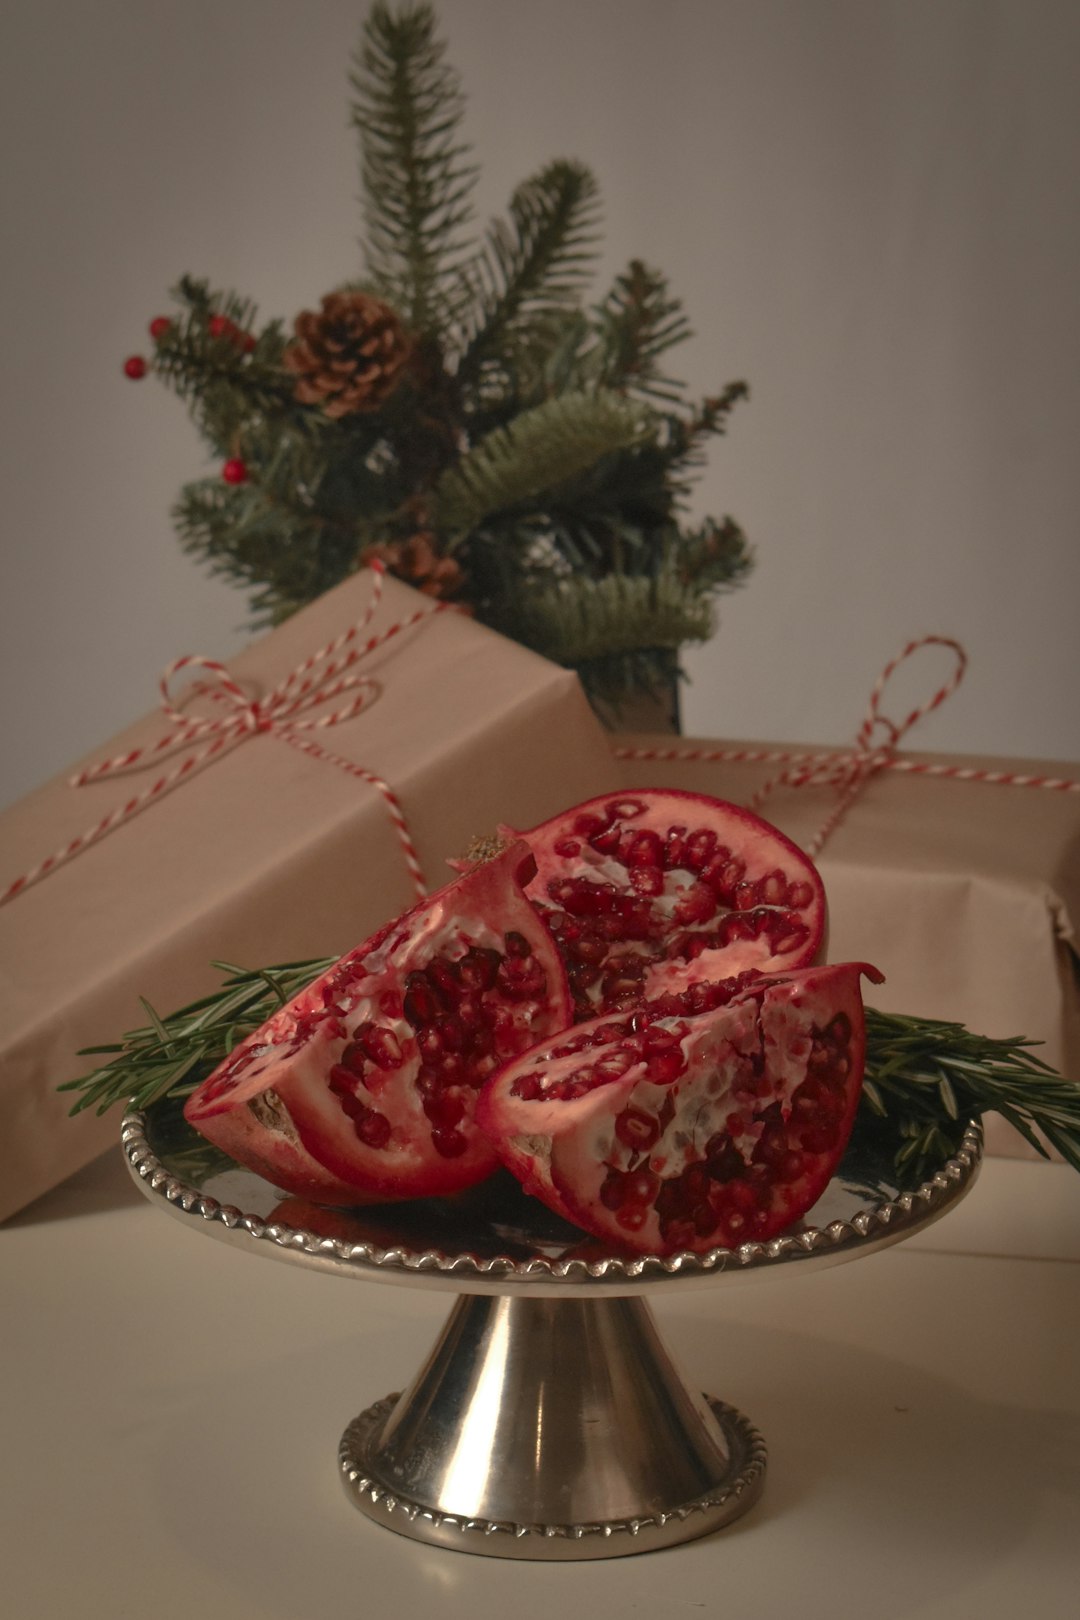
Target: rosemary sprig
x=924 y=1076
x=170 y=1056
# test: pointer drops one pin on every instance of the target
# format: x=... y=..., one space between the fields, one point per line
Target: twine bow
x=874 y=749
x=284 y=713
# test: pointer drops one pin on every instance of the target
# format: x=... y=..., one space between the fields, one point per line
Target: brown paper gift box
x=966 y=895
x=265 y=854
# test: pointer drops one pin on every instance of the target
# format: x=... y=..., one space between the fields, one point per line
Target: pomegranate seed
x=664 y=1067
x=352 y=1058
x=527 y=1086
x=640 y=1186
x=613 y=1065
x=675 y=847
x=800 y=895
x=611 y=1190
x=647 y=880
x=444 y=976
x=773 y=889
x=372 y=1128
x=700 y=847
x=636 y=1129
x=632 y=1216
x=745 y=896
x=626 y=809
x=478 y=967
x=589 y=824
x=645 y=849
x=450 y=1143
x=419 y=1005
x=696 y=904
x=342 y=1081
x=380 y=1045
x=567 y=847
x=447 y=1108
x=607 y=843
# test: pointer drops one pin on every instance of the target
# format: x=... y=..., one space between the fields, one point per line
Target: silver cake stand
x=548 y=1421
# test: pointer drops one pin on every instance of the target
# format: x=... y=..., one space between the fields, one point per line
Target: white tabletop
x=172 y=1409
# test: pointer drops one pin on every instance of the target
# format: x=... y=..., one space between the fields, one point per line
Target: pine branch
x=416 y=181
x=291 y=554
x=576 y=620
x=532 y=268
x=225 y=385
x=635 y=325
x=543 y=448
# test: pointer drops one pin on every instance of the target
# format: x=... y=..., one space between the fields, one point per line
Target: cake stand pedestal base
x=551 y=1429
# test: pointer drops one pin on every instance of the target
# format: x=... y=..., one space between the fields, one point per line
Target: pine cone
x=418 y=563
x=349 y=357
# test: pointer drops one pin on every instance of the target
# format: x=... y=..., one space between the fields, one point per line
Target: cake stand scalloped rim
x=876 y=1226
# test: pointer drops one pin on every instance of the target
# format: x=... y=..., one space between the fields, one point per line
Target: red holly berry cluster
x=234 y=471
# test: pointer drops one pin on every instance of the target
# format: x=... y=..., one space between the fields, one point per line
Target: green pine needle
x=925 y=1077
x=543 y=448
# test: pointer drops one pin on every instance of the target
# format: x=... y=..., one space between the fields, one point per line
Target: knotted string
x=874 y=749
x=284 y=713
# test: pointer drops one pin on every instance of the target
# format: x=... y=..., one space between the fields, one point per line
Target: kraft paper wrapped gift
x=264 y=854
x=965 y=894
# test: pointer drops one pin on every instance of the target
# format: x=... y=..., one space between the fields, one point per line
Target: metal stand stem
x=553 y=1429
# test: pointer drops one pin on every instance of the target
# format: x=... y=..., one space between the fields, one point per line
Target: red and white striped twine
x=849 y=772
x=319 y=679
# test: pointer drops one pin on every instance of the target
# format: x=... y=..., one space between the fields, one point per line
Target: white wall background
x=869 y=207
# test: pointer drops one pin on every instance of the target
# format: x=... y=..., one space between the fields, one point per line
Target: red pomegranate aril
x=380 y=1045
x=696 y=904
x=420 y=1005
x=647 y=880
x=645 y=849
x=700 y=847
x=606 y=842
x=800 y=895
x=675 y=847
x=636 y=1129
x=568 y=846
x=451 y=1144
x=447 y=1107
x=373 y=1128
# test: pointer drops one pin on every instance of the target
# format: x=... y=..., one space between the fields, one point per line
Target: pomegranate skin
x=708 y=1117
x=655 y=888
x=363 y=1088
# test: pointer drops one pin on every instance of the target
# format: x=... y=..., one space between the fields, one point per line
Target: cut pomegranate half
x=657 y=887
x=363 y=1087
x=707 y=1117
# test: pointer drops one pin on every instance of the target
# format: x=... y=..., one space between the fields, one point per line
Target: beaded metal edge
x=721 y=1504
x=882 y=1223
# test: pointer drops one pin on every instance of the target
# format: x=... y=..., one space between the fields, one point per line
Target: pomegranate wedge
x=707 y=1117
x=363 y=1087
x=654 y=887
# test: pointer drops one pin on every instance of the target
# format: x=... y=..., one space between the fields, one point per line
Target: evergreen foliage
x=536 y=444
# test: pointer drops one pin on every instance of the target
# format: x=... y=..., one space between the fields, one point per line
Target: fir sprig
x=924 y=1076
x=417 y=180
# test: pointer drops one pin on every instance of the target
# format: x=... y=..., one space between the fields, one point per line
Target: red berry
x=248 y=342
x=159 y=326
x=135 y=367
x=219 y=325
x=234 y=471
